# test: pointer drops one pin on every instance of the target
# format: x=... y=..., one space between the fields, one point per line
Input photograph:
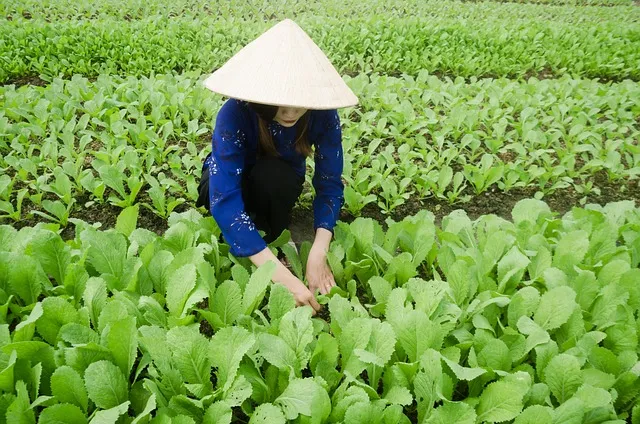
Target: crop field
x=487 y=259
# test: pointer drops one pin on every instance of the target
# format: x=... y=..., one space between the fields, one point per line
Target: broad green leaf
x=536 y=414
x=302 y=397
x=416 y=333
x=19 y=411
x=25 y=277
x=428 y=382
x=277 y=352
x=296 y=329
x=464 y=373
x=571 y=250
x=354 y=336
x=110 y=416
x=226 y=349
x=76 y=334
x=218 y=413
x=122 y=340
x=189 y=349
x=146 y=412
x=25 y=329
x=281 y=301
x=63 y=413
x=452 y=412
x=95 y=298
x=380 y=288
x=255 y=290
x=179 y=285
x=529 y=210
x=511 y=268
x=570 y=412
x=267 y=413
x=127 y=220
x=523 y=303
x=106 y=384
x=53 y=254
x=555 y=307
x=227 y=302
x=107 y=251
x=239 y=391
x=399 y=396
x=67 y=386
x=563 y=376
x=593 y=397
x=501 y=401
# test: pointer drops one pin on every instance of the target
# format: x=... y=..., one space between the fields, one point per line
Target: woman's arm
x=327 y=181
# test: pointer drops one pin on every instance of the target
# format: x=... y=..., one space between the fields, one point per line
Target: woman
x=282 y=108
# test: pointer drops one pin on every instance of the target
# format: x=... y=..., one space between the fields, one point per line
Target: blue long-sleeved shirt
x=234 y=148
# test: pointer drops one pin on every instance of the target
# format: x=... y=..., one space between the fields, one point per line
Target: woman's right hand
x=282 y=275
x=301 y=293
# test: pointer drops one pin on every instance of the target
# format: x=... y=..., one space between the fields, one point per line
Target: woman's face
x=288 y=116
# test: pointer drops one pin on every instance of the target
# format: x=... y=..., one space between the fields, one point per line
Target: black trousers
x=270 y=189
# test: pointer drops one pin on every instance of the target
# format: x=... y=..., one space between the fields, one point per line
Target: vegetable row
x=533 y=320
x=602 y=48
x=125 y=141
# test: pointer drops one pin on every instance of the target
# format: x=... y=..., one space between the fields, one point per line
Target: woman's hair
x=266 y=146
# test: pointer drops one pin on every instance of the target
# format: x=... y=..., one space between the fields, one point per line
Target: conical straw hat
x=282 y=67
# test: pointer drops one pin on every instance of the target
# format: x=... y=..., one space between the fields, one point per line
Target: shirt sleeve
x=327 y=179
x=226 y=165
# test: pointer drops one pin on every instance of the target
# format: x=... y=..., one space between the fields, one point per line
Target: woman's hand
x=282 y=275
x=318 y=273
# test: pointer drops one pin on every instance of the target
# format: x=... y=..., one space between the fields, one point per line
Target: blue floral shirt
x=234 y=148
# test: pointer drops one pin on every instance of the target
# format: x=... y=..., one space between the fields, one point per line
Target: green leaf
x=523 y=303
x=502 y=400
x=189 y=349
x=219 y=413
x=464 y=373
x=563 y=376
x=511 y=268
x=106 y=385
x=571 y=250
x=380 y=288
x=95 y=298
x=24 y=331
x=267 y=413
x=593 y=397
x=110 y=416
x=277 y=352
x=301 y=397
x=529 y=210
x=63 y=413
x=227 y=302
x=555 y=308
x=416 y=333
x=535 y=414
x=19 y=411
x=121 y=339
x=281 y=301
x=296 y=329
x=67 y=386
x=452 y=412
x=570 y=412
x=77 y=334
x=399 y=396
x=107 y=251
x=255 y=290
x=226 y=349
x=146 y=412
x=25 y=277
x=53 y=254
x=127 y=220
x=179 y=285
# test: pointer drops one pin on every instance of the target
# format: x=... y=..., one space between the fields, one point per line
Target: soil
x=493 y=201
x=27 y=80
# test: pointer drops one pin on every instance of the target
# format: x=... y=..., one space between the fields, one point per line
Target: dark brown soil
x=27 y=80
x=494 y=201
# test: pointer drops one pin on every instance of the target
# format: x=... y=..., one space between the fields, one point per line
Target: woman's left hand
x=318 y=273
